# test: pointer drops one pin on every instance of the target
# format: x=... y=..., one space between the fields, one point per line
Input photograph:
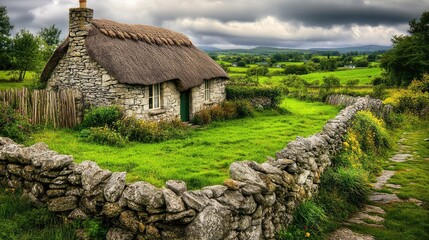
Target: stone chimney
x=79 y=20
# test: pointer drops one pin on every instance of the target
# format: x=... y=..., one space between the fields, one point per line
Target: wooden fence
x=45 y=107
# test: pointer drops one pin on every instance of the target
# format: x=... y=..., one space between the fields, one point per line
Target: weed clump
x=13 y=124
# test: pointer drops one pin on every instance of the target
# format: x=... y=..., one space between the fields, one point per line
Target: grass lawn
x=203 y=158
x=365 y=75
x=5 y=82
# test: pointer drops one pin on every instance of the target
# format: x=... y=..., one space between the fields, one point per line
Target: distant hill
x=272 y=50
x=360 y=49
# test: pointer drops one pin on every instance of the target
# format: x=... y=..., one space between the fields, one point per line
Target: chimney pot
x=82 y=3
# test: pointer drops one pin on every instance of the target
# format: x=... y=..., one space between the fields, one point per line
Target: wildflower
x=307 y=234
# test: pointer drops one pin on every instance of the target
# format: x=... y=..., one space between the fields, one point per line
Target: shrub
x=107 y=136
x=420 y=85
x=347 y=182
x=249 y=92
x=406 y=101
x=378 y=80
x=309 y=220
x=101 y=116
x=379 y=91
x=150 y=131
x=352 y=82
x=13 y=124
x=244 y=109
x=227 y=110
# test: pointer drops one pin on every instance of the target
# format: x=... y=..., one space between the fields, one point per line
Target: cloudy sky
x=242 y=23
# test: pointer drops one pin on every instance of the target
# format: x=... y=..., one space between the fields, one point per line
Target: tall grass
x=19 y=219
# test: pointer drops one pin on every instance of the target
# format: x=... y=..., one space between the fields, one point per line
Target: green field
x=5 y=82
x=204 y=157
x=365 y=75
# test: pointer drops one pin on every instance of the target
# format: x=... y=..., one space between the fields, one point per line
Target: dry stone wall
x=254 y=203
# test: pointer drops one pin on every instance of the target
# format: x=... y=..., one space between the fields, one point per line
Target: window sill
x=210 y=102
x=154 y=112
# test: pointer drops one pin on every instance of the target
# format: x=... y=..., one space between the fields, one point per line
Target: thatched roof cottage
x=154 y=73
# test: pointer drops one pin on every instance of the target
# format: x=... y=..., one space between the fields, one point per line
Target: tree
x=329 y=64
x=51 y=35
x=296 y=69
x=409 y=57
x=26 y=53
x=5 y=42
x=51 y=39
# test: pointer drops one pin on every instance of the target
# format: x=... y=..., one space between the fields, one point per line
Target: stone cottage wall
x=217 y=95
x=254 y=203
x=77 y=70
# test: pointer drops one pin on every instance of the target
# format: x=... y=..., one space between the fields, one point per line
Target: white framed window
x=155 y=96
x=207 y=90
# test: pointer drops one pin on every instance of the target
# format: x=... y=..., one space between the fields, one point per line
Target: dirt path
x=370 y=215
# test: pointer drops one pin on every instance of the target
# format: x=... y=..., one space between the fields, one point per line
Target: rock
x=152 y=232
x=242 y=172
x=115 y=186
x=302 y=178
x=27 y=153
x=173 y=202
x=62 y=204
x=345 y=233
x=94 y=175
x=77 y=214
x=75 y=179
x=129 y=220
x=55 y=193
x=195 y=199
x=176 y=186
x=14 y=169
x=244 y=223
x=144 y=193
x=213 y=223
x=217 y=190
x=176 y=216
x=111 y=210
x=27 y=172
x=37 y=160
x=232 y=199
x=119 y=234
x=292 y=168
x=37 y=189
x=253 y=232
x=232 y=184
x=83 y=166
x=57 y=162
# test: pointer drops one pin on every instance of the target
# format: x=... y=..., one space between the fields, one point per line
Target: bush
x=227 y=110
x=249 y=92
x=406 y=101
x=379 y=91
x=347 y=182
x=101 y=116
x=94 y=228
x=244 y=109
x=378 y=80
x=420 y=85
x=105 y=135
x=309 y=220
x=13 y=124
x=352 y=82
x=150 y=131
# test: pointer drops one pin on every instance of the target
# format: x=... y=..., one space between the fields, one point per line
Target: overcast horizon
x=241 y=23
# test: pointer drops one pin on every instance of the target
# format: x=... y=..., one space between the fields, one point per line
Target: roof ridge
x=139 y=32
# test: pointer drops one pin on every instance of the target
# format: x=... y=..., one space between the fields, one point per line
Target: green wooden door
x=184 y=106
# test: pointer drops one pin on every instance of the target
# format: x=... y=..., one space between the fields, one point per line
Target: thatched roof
x=141 y=54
